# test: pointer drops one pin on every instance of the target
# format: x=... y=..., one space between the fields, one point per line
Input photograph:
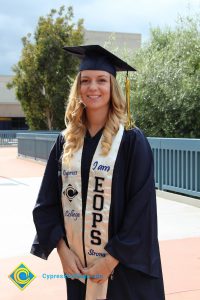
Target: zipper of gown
x=83 y=237
x=83 y=241
x=83 y=219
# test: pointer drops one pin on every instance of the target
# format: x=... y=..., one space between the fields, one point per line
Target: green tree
x=43 y=74
x=166 y=89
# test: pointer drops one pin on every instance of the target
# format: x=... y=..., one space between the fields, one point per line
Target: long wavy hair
x=75 y=119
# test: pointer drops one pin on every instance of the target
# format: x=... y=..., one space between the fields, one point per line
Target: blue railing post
x=178 y=165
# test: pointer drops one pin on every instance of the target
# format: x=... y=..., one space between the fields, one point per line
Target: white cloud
x=125 y=14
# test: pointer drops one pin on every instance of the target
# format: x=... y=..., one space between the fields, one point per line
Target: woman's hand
x=70 y=262
x=102 y=267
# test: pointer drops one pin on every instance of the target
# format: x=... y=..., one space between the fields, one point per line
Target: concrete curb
x=178 y=198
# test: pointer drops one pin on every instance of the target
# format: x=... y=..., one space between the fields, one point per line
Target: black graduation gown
x=132 y=223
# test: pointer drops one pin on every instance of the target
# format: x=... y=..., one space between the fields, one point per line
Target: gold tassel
x=129 y=122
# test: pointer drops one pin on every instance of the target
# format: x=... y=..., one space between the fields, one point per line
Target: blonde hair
x=75 y=119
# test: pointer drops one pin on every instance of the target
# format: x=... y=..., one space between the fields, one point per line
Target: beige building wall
x=9 y=105
x=119 y=39
x=11 y=110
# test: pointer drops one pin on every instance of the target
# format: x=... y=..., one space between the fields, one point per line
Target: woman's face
x=95 y=89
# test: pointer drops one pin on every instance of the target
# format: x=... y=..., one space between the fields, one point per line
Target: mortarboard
x=95 y=57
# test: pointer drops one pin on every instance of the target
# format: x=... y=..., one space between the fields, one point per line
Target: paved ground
x=179 y=232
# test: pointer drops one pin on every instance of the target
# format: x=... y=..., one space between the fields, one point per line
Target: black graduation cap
x=95 y=57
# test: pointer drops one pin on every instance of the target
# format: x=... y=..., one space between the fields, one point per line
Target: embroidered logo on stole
x=97 y=209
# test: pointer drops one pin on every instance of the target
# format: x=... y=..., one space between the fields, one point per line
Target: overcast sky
x=18 y=17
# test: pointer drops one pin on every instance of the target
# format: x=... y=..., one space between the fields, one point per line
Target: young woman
x=97 y=200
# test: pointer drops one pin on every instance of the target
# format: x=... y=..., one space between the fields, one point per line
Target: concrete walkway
x=179 y=232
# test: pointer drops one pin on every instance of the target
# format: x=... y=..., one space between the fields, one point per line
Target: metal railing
x=176 y=161
x=177 y=164
x=36 y=145
x=8 y=137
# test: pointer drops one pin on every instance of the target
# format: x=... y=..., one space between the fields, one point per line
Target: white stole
x=97 y=210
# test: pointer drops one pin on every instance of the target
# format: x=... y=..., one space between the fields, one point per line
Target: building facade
x=11 y=112
x=120 y=40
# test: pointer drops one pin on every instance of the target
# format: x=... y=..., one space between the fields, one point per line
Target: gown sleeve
x=47 y=213
x=135 y=244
